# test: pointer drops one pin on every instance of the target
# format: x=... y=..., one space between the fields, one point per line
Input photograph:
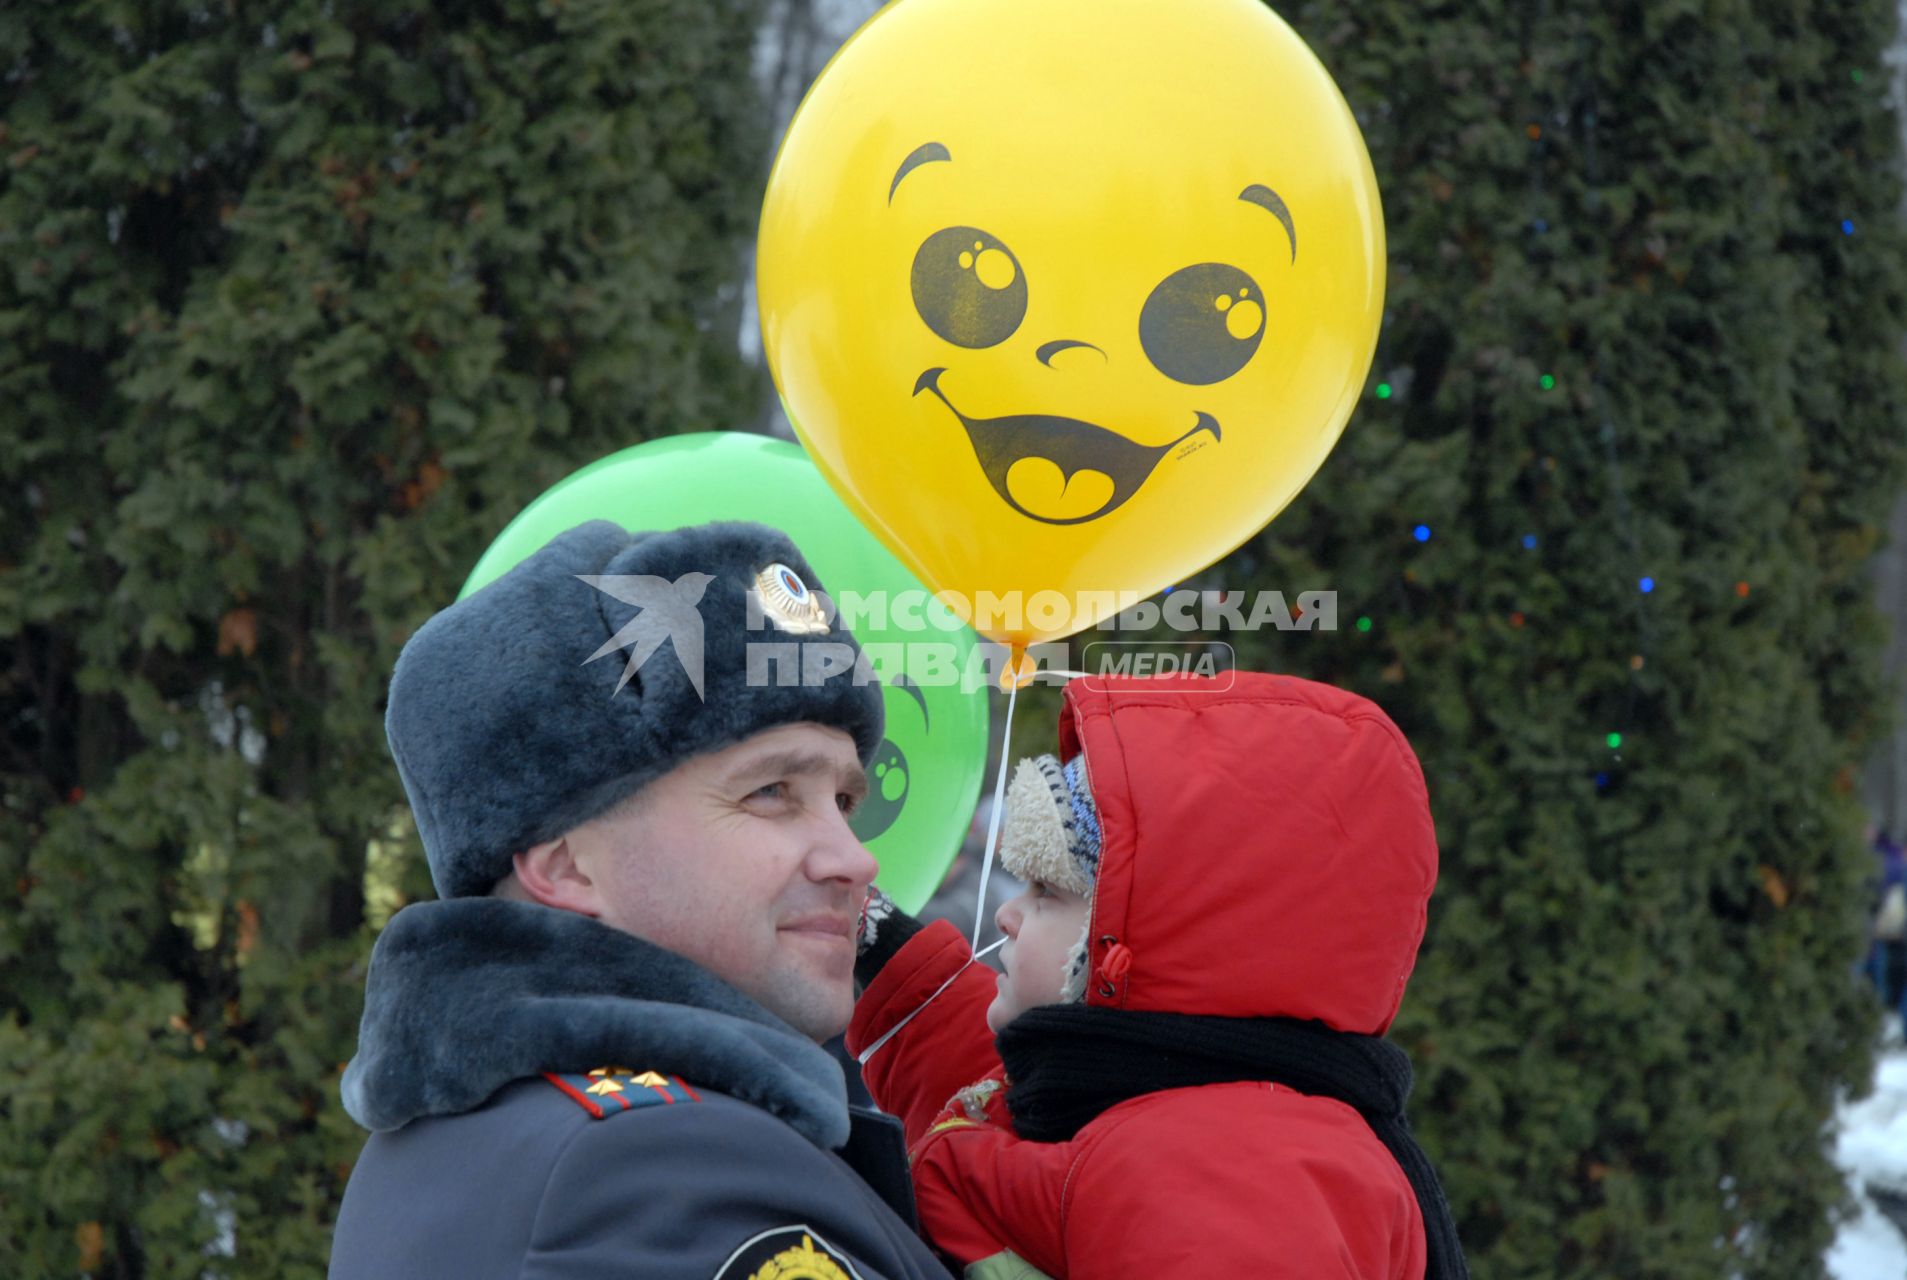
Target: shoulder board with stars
x=609 y=1091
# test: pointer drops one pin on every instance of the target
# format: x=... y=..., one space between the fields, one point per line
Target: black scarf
x=1068 y=1063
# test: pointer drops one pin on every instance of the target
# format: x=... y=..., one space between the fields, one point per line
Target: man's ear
x=549 y=873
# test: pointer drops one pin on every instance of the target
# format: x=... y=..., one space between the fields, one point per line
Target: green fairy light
x=1363 y=624
x=1615 y=740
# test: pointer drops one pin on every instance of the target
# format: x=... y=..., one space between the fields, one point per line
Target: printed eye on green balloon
x=925 y=779
x=888 y=777
x=887 y=792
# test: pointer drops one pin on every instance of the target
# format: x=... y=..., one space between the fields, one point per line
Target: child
x=1226 y=887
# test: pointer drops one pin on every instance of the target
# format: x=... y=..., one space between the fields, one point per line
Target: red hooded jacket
x=1267 y=851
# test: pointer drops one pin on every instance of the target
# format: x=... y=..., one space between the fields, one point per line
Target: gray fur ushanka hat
x=508 y=717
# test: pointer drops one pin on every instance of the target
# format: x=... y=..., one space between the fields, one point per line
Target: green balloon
x=924 y=780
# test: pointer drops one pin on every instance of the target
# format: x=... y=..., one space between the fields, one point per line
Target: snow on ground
x=1872 y=1148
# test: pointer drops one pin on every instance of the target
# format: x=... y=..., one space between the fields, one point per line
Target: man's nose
x=1007 y=918
x=839 y=855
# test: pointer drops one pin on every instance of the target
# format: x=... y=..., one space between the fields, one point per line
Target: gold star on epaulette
x=606 y=1082
x=610 y=1091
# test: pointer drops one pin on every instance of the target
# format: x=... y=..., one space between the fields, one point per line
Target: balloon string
x=974 y=951
x=890 y=1033
x=993 y=819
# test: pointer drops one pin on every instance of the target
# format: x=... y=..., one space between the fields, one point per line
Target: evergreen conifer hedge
x=299 y=303
x=1646 y=306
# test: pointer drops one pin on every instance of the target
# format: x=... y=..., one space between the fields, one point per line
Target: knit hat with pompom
x=1051 y=833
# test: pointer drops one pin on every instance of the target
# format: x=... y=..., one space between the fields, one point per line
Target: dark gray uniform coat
x=705 y=1143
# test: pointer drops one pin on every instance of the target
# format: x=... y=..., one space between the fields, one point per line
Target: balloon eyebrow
x=926 y=153
x=906 y=685
x=1262 y=196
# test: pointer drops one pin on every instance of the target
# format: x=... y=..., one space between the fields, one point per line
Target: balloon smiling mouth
x=1072 y=470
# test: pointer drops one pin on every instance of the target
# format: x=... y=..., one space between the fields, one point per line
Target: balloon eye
x=968 y=287
x=1203 y=323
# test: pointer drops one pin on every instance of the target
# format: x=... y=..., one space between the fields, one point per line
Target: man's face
x=1042 y=924
x=742 y=861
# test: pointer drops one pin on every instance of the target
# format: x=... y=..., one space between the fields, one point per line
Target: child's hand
x=878 y=909
x=885 y=929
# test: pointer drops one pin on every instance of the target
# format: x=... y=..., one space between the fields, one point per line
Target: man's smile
x=826 y=926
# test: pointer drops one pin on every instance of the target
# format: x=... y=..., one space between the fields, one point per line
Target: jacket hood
x=1268 y=849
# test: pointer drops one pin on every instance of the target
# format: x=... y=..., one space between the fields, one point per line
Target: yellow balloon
x=1070 y=295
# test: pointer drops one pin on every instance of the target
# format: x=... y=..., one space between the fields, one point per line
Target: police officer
x=631 y=761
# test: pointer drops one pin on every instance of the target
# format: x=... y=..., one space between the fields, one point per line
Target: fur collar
x=468 y=994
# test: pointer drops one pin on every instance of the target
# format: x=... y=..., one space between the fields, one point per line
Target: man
x=597 y=1054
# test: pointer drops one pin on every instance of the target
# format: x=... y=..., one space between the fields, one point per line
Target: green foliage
x=1636 y=1007
x=298 y=304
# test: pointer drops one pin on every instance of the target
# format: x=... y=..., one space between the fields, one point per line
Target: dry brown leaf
x=90 y=1239
x=238 y=633
x=1774 y=886
x=247 y=928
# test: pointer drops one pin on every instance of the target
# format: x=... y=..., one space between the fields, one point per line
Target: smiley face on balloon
x=1198 y=327
x=1075 y=294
